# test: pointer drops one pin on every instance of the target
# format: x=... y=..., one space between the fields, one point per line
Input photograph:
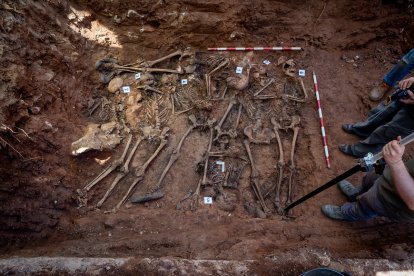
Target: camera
x=399 y=94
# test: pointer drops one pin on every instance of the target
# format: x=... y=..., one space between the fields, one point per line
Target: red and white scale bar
x=318 y=101
x=256 y=49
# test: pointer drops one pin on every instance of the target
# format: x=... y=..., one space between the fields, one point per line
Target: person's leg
x=379 y=115
x=402 y=124
x=367 y=205
x=352 y=192
x=368 y=181
x=400 y=70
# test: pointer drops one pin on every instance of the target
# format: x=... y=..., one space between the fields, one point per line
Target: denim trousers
x=367 y=204
x=399 y=71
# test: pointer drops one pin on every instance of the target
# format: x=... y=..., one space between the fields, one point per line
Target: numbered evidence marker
x=302 y=72
x=184 y=81
x=221 y=163
x=208 y=200
x=239 y=70
x=126 y=89
x=137 y=76
x=267 y=62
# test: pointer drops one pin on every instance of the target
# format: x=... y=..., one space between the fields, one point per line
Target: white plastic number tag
x=267 y=62
x=239 y=70
x=126 y=89
x=302 y=72
x=137 y=76
x=208 y=200
x=184 y=81
x=221 y=163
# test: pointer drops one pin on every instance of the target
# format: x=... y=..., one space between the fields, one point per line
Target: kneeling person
x=389 y=195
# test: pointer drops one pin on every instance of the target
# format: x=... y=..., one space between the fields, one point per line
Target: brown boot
x=378 y=92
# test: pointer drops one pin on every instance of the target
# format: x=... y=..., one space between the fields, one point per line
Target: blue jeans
x=399 y=71
x=368 y=204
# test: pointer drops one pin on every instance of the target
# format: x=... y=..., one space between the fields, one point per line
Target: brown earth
x=48 y=50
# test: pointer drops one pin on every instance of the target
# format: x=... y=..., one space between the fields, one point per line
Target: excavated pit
x=50 y=92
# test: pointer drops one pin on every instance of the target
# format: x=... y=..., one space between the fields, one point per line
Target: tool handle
x=330 y=183
x=406 y=140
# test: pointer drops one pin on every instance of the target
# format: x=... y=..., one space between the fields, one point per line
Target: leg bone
x=140 y=172
x=204 y=180
x=114 y=165
x=254 y=178
x=292 y=166
x=123 y=172
x=220 y=124
x=280 y=163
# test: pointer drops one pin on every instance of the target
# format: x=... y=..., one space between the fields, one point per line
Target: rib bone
x=297 y=99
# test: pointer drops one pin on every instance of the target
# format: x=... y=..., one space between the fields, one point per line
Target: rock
x=254 y=210
x=97 y=137
x=190 y=69
x=42 y=74
x=34 y=110
x=148 y=197
x=147 y=29
x=117 y=19
x=115 y=84
x=147 y=79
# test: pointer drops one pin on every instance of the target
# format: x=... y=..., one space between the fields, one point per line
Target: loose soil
x=48 y=84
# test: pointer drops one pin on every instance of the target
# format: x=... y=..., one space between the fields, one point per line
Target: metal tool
x=364 y=164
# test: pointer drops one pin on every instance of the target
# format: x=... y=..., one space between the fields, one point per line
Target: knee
x=409 y=57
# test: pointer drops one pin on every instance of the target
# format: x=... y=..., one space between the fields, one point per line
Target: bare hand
x=404 y=84
x=409 y=99
x=393 y=152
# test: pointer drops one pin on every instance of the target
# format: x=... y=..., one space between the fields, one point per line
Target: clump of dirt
x=50 y=92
